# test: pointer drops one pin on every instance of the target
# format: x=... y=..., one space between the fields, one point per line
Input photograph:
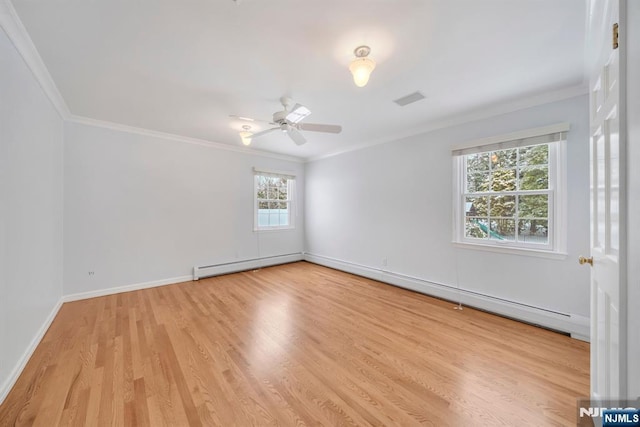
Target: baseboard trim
x=250 y=264
x=19 y=367
x=126 y=288
x=217 y=269
x=577 y=326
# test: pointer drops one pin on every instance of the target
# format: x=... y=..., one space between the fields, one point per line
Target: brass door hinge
x=615 y=35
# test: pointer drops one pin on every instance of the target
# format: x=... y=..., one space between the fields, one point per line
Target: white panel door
x=608 y=367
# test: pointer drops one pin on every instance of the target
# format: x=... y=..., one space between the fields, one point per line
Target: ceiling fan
x=289 y=121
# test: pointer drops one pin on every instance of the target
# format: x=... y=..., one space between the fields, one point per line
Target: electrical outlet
x=92 y=273
x=384 y=262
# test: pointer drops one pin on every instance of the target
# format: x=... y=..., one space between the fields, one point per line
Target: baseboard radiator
x=200 y=272
x=577 y=326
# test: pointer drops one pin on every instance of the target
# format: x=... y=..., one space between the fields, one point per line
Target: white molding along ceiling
x=15 y=30
x=178 y=138
x=482 y=113
x=182 y=70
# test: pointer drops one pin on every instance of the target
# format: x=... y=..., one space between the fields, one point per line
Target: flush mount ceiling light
x=362 y=66
x=245 y=135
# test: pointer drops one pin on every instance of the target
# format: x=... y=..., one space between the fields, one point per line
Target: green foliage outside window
x=270 y=191
x=515 y=172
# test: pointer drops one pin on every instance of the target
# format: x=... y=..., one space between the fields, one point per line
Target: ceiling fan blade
x=264 y=132
x=315 y=127
x=297 y=113
x=296 y=136
x=249 y=119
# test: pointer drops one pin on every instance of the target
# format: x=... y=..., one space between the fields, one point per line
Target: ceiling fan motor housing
x=280 y=117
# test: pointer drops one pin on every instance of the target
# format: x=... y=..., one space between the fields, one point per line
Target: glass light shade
x=246 y=137
x=361 y=69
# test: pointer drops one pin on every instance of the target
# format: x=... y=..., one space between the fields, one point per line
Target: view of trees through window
x=507 y=195
x=273 y=201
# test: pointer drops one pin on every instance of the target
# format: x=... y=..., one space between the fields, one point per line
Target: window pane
x=504 y=158
x=274 y=218
x=534 y=155
x=503 y=180
x=263 y=205
x=273 y=193
x=476 y=206
x=278 y=184
x=261 y=187
x=533 y=231
x=282 y=192
x=478 y=182
x=263 y=217
x=535 y=206
x=503 y=229
x=503 y=206
x=534 y=178
x=477 y=162
x=476 y=228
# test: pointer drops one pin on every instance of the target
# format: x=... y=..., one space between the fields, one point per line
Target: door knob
x=583 y=260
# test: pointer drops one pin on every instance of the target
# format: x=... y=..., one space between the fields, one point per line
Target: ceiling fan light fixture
x=289 y=122
x=245 y=135
x=362 y=66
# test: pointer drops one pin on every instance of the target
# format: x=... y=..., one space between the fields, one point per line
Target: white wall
x=633 y=192
x=31 y=141
x=394 y=201
x=141 y=209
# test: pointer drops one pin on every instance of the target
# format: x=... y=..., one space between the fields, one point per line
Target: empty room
x=387 y=212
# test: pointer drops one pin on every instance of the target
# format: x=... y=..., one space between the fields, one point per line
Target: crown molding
x=14 y=28
x=178 y=138
x=471 y=116
x=17 y=33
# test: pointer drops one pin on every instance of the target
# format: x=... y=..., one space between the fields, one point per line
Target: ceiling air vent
x=409 y=99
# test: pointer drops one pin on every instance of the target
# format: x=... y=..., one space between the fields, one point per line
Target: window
x=509 y=193
x=274 y=198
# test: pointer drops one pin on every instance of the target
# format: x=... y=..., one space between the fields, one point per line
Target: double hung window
x=509 y=193
x=274 y=200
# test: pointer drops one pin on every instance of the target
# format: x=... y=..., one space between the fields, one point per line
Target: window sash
x=507 y=193
x=516 y=218
x=275 y=200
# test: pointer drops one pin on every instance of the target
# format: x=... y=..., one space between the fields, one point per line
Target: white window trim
x=529 y=133
x=538 y=253
x=291 y=192
x=557 y=246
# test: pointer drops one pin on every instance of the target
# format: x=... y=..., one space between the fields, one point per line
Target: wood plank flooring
x=297 y=344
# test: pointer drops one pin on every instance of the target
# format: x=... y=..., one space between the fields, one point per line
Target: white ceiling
x=183 y=67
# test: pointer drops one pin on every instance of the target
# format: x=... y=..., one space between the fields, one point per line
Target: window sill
x=513 y=250
x=272 y=229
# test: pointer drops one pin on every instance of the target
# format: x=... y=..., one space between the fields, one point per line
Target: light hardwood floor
x=297 y=344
